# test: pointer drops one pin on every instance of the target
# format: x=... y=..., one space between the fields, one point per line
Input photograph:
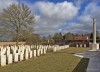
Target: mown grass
x=62 y=61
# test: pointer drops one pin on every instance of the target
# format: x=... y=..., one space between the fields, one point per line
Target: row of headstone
x=10 y=54
x=81 y=45
x=57 y=47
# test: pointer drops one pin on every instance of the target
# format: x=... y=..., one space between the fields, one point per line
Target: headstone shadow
x=82 y=65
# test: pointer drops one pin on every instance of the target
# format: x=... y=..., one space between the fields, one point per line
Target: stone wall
x=10 y=43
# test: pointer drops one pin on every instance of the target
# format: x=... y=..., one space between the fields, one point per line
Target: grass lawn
x=62 y=61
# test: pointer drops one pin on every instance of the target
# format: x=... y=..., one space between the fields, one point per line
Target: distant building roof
x=81 y=37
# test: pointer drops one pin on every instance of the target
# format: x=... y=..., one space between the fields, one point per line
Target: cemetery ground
x=60 y=61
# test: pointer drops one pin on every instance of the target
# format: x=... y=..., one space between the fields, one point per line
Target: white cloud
x=53 y=15
x=5 y=3
x=85 y=21
x=65 y=10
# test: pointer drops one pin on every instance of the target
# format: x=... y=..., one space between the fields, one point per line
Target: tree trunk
x=17 y=40
x=17 y=37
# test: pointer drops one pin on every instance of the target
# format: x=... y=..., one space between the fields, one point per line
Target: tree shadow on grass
x=82 y=65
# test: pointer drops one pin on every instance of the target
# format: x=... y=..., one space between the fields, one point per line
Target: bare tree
x=16 y=18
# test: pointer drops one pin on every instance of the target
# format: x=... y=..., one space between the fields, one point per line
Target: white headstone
x=34 y=53
x=3 y=60
x=16 y=57
x=8 y=52
x=44 y=50
x=10 y=58
x=54 y=49
x=41 y=50
x=80 y=45
x=38 y=52
x=76 y=45
x=26 y=54
x=19 y=51
x=84 y=45
x=30 y=54
x=21 y=56
x=14 y=51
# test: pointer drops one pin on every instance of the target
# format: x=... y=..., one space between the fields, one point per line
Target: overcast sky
x=61 y=15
